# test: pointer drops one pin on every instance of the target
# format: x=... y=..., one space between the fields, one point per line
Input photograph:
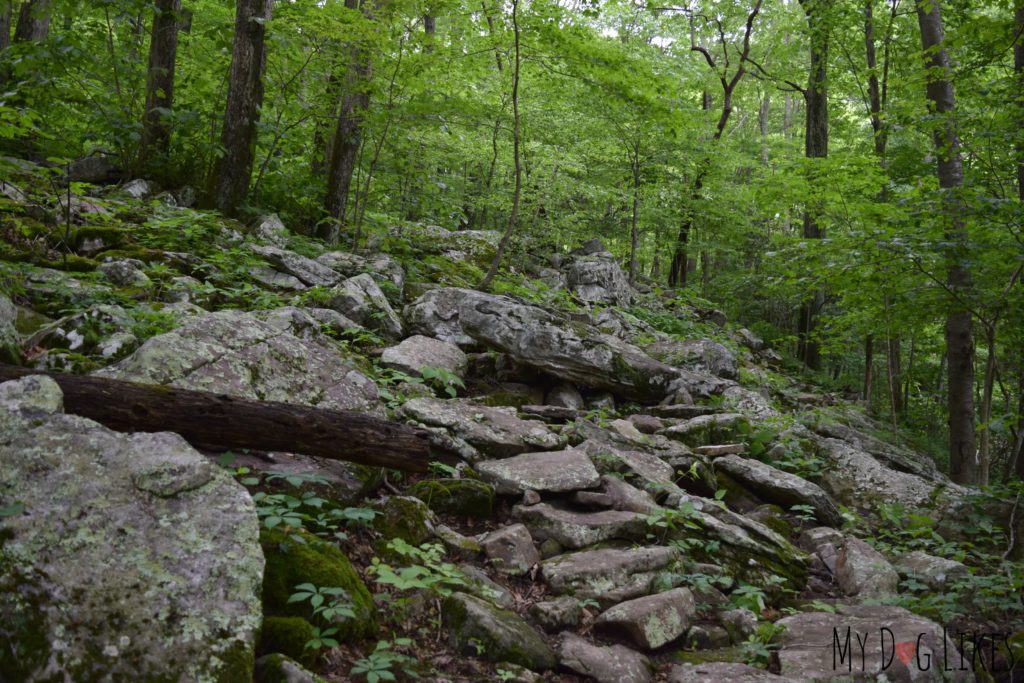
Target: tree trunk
x=963 y=462
x=869 y=361
x=634 y=232
x=163 y=50
x=33 y=21
x=219 y=422
x=6 y=11
x=895 y=370
x=229 y=186
x=1018 y=65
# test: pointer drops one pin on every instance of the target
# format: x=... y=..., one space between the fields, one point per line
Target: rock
x=937 y=572
x=608 y=573
x=475 y=246
x=361 y=299
x=776 y=486
x=625 y=496
x=602 y=400
x=821 y=646
x=341 y=482
x=724 y=672
x=718 y=450
x=550 y=413
x=615 y=321
x=597 y=279
x=707 y=636
x=705 y=429
x=305 y=269
x=277 y=668
x=530 y=497
x=136 y=189
x=513 y=673
x=403 y=517
x=109 y=515
x=750 y=340
x=308 y=323
x=481 y=585
x=95 y=168
x=461 y=497
x=275 y=279
x=511 y=550
x=813 y=539
x=578 y=529
x=418 y=352
x=436 y=314
x=646 y=424
x=103 y=330
x=701 y=355
x=565 y=395
x=10 y=349
x=232 y=352
x=503 y=635
x=740 y=624
x=454 y=542
x=380 y=267
x=592 y=246
x=562 y=613
x=271 y=230
x=612 y=664
x=863 y=572
x=125 y=273
x=650 y=621
x=754 y=404
x=493 y=431
x=649 y=468
x=568 y=470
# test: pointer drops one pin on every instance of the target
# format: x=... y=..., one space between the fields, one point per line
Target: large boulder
x=650 y=621
x=307 y=270
x=775 y=486
x=417 y=352
x=579 y=529
x=361 y=299
x=701 y=355
x=864 y=572
x=597 y=278
x=867 y=643
x=475 y=246
x=134 y=556
x=936 y=572
x=380 y=267
x=611 y=664
x=569 y=470
x=9 y=347
x=503 y=635
x=232 y=352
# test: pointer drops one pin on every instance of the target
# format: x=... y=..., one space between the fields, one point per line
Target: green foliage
x=758 y=648
x=427 y=569
x=380 y=664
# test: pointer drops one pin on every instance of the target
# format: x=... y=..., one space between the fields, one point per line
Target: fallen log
x=219 y=422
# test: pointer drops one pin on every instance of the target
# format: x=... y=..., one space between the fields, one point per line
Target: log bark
x=218 y=422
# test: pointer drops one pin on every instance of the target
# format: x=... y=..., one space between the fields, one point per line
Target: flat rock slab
x=612 y=664
x=579 y=529
x=707 y=429
x=725 y=672
x=135 y=558
x=569 y=470
x=864 y=572
x=511 y=549
x=814 y=646
x=775 y=486
x=650 y=621
x=718 y=450
x=937 y=572
x=417 y=352
x=496 y=433
x=503 y=635
x=624 y=573
x=305 y=269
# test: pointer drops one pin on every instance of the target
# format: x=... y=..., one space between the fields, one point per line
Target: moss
x=446 y=271
x=23 y=626
x=135 y=252
x=236 y=664
x=291 y=562
x=278 y=668
x=464 y=497
x=405 y=518
x=75 y=263
x=287 y=636
x=515 y=399
x=110 y=236
x=726 y=654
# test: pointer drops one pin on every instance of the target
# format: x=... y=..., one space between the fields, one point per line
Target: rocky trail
x=613 y=496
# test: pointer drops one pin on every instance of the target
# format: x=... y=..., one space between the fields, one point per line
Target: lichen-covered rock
x=650 y=621
x=725 y=672
x=380 y=267
x=503 y=635
x=361 y=299
x=275 y=279
x=125 y=273
x=232 y=352
x=309 y=324
x=417 y=352
x=607 y=573
x=10 y=352
x=569 y=470
x=937 y=572
x=102 y=330
x=475 y=246
x=775 y=486
x=134 y=558
x=310 y=272
x=708 y=429
x=701 y=355
x=864 y=572
x=462 y=497
x=403 y=517
x=579 y=529
x=493 y=432
x=511 y=549
x=597 y=278
x=271 y=230
x=739 y=624
x=561 y=613
x=611 y=664
x=565 y=395
x=822 y=646
x=287 y=636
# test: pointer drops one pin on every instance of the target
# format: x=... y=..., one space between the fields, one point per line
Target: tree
x=33 y=21
x=163 y=51
x=229 y=184
x=963 y=462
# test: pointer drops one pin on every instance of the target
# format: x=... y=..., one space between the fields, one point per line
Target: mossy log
x=219 y=422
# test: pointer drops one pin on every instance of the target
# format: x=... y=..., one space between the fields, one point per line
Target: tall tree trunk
x=815 y=146
x=634 y=231
x=1018 y=65
x=348 y=134
x=33 y=21
x=869 y=368
x=229 y=184
x=762 y=126
x=963 y=462
x=895 y=370
x=513 y=217
x=163 y=50
x=6 y=11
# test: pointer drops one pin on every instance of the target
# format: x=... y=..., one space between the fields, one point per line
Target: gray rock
x=750 y=340
x=493 y=432
x=650 y=469
x=557 y=615
x=275 y=279
x=701 y=355
x=647 y=424
x=650 y=621
x=436 y=314
x=503 y=635
x=418 y=352
x=707 y=429
x=813 y=539
x=308 y=324
x=607 y=573
x=277 y=668
x=95 y=168
x=754 y=404
x=579 y=529
x=739 y=624
x=718 y=450
x=380 y=267
x=565 y=395
x=125 y=273
x=707 y=636
x=569 y=470
x=483 y=587
x=821 y=646
x=625 y=496
x=864 y=572
x=611 y=664
x=724 y=672
x=627 y=327
x=100 y=330
x=135 y=557
x=361 y=299
x=476 y=246
x=511 y=550
x=776 y=486
x=597 y=279
x=10 y=351
x=271 y=230
x=937 y=572
x=232 y=352
x=305 y=269
x=136 y=189
x=602 y=400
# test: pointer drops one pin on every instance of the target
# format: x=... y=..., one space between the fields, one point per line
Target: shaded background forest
x=776 y=159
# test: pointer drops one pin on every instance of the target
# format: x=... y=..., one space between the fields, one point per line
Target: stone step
x=579 y=529
x=608 y=575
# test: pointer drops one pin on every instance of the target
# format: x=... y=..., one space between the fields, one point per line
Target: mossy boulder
x=403 y=517
x=463 y=497
x=277 y=668
x=300 y=557
x=475 y=626
x=287 y=637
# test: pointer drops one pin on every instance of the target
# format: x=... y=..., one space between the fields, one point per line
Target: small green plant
x=804 y=513
x=328 y=603
x=427 y=571
x=440 y=379
x=379 y=665
x=669 y=520
x=758 y=648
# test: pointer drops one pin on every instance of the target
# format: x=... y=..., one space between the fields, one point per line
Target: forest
x=802 y=230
